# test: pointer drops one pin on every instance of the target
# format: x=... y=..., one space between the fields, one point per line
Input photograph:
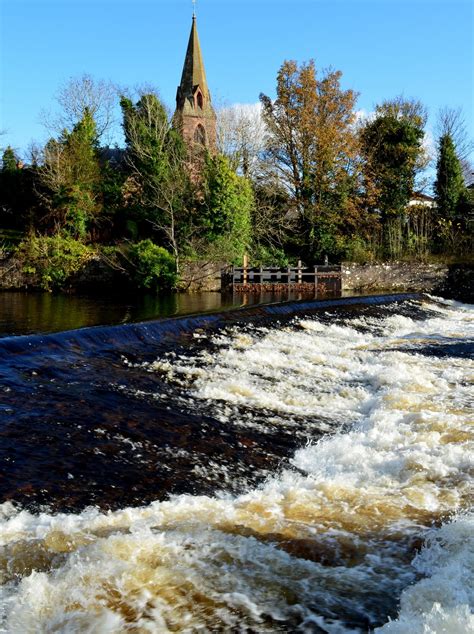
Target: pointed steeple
x=194 y=74
x=195 y=115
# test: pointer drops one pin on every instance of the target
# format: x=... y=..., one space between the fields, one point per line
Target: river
x=27 y=312
x=298 y=468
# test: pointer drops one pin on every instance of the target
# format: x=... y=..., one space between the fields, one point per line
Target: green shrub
x=227 y=206
x=53 y=260
x=155 y=268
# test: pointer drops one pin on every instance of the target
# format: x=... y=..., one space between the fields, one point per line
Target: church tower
x=195 y=117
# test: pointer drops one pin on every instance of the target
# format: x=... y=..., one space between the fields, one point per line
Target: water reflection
x=27 y=313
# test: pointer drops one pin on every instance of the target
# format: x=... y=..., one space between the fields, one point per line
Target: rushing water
x=308 y=473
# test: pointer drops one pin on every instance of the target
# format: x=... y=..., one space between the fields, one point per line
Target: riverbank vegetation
x=302 y=176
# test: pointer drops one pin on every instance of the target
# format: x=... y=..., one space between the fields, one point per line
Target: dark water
x=314 y=534
x=84 y=423
x=27 y=313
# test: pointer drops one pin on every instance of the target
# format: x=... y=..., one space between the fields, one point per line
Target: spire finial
x=194 y=9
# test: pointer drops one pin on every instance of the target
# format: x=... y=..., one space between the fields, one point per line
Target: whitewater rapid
x=370 y=527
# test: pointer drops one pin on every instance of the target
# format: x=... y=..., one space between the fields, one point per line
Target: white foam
x=326 y=544
x=442 y=602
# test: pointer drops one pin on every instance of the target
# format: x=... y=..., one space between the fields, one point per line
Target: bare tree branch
x=241 y=134
x=451 y=121
x=77 y=95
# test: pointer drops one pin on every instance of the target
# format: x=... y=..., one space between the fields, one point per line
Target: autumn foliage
x=304 y=176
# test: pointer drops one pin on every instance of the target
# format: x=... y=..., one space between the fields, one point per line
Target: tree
x=450 y=121
x=392 y=147
x=72 y=176
x=226 y=208
x=75 y=179
x=455 y=205
x=76 y=96
x=449 y=184
x=313 y=147
x=241 y=134
x=241 y=138
x=9 y=160
x=272 y=224
x=9 y=185
x=159 y=180
x=16 y=191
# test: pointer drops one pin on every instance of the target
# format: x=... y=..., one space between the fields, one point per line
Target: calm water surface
x=28 y=313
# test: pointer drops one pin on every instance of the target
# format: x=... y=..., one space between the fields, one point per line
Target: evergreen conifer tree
x=449 y=184
x=71 y=174
x=9 y=160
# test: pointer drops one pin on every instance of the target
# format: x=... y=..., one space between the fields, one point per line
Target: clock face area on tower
x=195 y=117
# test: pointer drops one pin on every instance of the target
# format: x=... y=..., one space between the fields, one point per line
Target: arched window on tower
x=200 y=100
x=200 y=135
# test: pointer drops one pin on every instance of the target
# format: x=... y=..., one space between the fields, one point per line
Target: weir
x=275 y=468
x=91 y=340
x=84 y=402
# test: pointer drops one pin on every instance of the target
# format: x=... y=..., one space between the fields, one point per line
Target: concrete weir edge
x=135 y=336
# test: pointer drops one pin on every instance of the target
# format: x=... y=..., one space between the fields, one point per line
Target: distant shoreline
x=453 y=281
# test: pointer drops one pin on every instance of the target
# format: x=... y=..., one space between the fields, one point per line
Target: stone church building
x=195 y=117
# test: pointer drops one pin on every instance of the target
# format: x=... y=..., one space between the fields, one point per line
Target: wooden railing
x=244 y=278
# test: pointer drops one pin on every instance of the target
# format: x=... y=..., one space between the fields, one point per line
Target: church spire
x=194 y=74
x=194 y=111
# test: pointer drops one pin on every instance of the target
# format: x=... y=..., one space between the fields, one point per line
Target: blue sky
x=418 y=48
